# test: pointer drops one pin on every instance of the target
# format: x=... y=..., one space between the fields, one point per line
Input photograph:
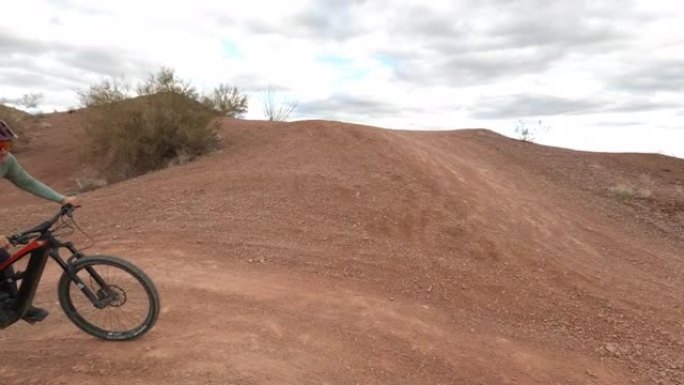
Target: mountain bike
x=105 y=296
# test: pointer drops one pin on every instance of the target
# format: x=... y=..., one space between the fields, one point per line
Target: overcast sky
x=605 y=75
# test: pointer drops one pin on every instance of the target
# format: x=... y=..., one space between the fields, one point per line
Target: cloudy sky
x=604 y=75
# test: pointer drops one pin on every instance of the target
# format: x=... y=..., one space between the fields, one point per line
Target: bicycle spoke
x=125 y=303
x=114 y=317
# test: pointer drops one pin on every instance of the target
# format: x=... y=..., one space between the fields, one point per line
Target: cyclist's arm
x=22 y=179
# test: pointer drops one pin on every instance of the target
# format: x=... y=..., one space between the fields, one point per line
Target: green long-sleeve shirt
x=11 y=169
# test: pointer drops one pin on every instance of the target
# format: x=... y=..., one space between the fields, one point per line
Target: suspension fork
x=69 y=270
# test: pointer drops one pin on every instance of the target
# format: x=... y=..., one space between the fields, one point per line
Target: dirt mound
x=324 y=252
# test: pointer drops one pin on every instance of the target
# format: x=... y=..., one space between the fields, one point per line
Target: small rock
x=612 y=348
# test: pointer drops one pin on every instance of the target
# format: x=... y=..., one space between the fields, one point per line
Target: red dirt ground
x=328 y=253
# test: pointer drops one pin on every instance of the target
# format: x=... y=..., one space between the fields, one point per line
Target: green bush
x=167 y=123
x=224 y=99
x=135 y=136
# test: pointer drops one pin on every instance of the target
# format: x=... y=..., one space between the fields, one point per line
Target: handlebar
x=25 y=236
x=17 y=239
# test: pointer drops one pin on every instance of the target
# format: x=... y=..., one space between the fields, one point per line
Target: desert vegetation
x=275 y=108
x=165 y=121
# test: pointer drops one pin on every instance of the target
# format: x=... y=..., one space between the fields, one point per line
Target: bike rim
x=128 y=306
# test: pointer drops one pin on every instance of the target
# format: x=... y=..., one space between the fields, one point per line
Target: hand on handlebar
x=4 y=242
x=70 y=200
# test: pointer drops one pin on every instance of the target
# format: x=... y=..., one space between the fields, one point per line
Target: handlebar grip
x=12 y=239
x=18 y=239
x=68 y=209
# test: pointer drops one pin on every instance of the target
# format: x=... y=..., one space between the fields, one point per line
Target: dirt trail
x=329 y=253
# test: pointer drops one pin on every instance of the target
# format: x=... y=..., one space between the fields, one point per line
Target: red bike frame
x=41 y=247
x=38 y=249
x=35 y=244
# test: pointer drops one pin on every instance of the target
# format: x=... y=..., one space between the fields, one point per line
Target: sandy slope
x=328 y=253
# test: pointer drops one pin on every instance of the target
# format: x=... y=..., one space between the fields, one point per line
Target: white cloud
x=606 y=69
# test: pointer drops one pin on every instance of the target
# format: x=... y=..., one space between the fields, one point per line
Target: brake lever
x=69 y=210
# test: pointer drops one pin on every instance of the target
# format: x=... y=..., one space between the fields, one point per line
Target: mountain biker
x=11 y=170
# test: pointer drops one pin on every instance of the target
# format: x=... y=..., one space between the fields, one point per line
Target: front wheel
x=126 y=300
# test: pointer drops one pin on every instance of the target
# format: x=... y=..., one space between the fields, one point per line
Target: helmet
x=6 y=132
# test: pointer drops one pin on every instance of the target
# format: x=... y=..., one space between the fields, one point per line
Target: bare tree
x=277 y=110
x=31 y=101
x=527 y=131
x=27 y=101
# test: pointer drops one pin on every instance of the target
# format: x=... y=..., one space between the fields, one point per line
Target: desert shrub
x=640 y=189
x=134 y=136
x=166 y=123
x=622 y=192
x=165 y=80
x=227 y=101
x=105 y=92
